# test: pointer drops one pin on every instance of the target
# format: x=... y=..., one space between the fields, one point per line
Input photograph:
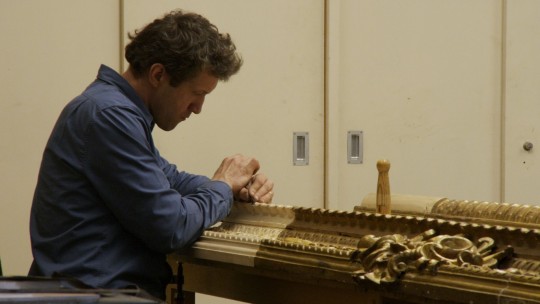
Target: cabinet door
x=421 y=79
x=278 y=91
x=50 y=52
x=522 y=166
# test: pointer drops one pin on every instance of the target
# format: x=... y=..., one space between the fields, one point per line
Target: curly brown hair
x=185 y=43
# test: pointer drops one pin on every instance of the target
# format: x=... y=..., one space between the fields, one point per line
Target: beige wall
x=50 y=51
x=278 y=91
x=447 y=91
x=422 y=80
x=428 y=83
x=521 y=168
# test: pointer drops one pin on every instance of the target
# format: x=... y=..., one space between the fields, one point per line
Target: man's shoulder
x=103 y=95
x=98 y=103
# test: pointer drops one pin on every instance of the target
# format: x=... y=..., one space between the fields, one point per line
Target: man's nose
x=196 y=107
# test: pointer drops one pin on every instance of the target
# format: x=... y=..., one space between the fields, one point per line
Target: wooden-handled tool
x=383 y=188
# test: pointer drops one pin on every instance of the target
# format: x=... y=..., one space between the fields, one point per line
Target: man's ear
x=156 y=74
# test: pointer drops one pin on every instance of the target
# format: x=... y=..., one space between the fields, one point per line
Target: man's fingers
x=253 y=165
x=267 y=198
x=243 y=195
x=260 y=187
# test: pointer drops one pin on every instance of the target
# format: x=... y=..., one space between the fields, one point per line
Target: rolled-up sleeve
x=163 y=207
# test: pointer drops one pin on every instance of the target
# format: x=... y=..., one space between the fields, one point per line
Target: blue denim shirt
x=107 y=207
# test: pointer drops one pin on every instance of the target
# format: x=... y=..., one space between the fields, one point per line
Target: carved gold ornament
x=388 y=257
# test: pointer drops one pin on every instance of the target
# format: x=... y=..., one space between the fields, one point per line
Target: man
x=107 y=207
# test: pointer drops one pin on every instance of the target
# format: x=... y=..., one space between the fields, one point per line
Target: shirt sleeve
x=183 y=182
x=128 y=173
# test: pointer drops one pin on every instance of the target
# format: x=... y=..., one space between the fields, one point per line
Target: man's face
x=172 y=105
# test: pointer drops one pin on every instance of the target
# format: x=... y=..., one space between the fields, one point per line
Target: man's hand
x=259 y=189
x=239 y=172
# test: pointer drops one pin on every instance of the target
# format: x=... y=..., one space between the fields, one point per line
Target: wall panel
x=521 y=103
x=421 y=79
x=278 y=91
x=50 y=51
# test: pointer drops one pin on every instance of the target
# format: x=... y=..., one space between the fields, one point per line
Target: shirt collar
x=112 y=77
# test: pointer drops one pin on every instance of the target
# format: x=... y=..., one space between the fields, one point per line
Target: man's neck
x=139 y=85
